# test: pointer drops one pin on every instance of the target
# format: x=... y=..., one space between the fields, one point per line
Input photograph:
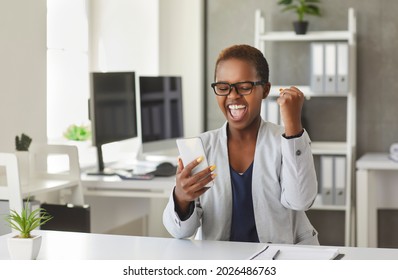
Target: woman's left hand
x=291 y=102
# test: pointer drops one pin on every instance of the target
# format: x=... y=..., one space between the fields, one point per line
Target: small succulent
x=22 y=143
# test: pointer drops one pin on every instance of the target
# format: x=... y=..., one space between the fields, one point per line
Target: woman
x=265 y=172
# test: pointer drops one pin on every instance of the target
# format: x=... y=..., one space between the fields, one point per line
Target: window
x=67 y=66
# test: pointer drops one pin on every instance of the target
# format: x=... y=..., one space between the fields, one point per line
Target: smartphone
x=190 y=149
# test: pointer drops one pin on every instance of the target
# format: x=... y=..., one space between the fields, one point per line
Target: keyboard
x=125 y=175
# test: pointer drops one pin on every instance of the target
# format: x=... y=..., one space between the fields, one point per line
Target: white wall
x=67 y=66
x=124 y=36
x=22 y=71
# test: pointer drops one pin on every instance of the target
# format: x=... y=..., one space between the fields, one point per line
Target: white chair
x=9 y=187
x=40 y=181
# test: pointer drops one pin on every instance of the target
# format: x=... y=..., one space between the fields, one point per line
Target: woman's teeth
x=236 y=107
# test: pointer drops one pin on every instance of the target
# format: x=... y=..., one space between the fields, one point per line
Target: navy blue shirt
x=243 y=226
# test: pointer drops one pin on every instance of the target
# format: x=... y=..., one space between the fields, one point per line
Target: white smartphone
x=190 y=149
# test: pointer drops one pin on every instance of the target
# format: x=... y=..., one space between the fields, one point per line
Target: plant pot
x=300 y=27
x=23 y=167
x=24 y=248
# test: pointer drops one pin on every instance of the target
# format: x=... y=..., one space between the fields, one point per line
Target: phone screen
x=190 y=149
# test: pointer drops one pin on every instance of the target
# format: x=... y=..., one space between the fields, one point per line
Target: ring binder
x=330 y=68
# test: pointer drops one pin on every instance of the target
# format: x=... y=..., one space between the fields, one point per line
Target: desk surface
x=76 y=246
x=376 y=161
x=376 y=181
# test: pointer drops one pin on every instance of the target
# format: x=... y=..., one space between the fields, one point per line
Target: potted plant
x=77 y=132
x=22 y=144
x=26 y=246
x=301 y=8
x=79 y=136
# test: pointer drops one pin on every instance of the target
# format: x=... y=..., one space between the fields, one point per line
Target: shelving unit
x=346 y=148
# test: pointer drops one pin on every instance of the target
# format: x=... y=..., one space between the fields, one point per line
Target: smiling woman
x=261 y=167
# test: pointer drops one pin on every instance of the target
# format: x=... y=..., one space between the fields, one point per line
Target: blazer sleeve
x=180 y=228
x=298 y=177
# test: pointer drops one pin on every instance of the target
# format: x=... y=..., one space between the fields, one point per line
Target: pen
x=276 y=254
x=259 y=253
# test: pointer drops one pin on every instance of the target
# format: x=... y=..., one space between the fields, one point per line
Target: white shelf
x=308 y=93
x=286 y=36
x=318 y=205
x=376 y=161
x=346 y=148
x=329 y=148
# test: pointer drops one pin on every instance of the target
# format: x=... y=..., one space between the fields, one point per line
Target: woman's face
x=240 y=111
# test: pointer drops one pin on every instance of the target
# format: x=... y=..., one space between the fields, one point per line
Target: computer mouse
x=165 y=165
x=165 y=169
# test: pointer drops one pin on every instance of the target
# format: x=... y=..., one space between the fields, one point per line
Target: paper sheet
x=295 y=253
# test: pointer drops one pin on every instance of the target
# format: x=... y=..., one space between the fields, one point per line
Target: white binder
x=263 y=112
x=330 y=68
x=326 y=166
x=273 y=114
x=342 y=68
x=340 y=180
x=317 y=67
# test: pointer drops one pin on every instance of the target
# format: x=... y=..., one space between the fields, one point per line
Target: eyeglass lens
x=243 y=88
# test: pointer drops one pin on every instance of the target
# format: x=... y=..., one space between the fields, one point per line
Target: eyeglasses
x=242 y=88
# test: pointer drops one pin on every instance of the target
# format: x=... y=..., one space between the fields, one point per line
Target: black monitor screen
x=114 y=107
x=113 y=111
x=161 y=108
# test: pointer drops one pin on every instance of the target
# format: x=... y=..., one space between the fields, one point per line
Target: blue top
x=243 y=226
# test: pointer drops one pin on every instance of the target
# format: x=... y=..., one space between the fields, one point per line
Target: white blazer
x=284 y=185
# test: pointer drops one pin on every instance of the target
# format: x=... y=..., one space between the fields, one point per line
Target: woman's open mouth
x=237 y=112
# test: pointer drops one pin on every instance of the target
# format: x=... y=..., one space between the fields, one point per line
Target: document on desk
x=274 y=252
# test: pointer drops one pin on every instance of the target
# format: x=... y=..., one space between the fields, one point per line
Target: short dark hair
x=246 y=53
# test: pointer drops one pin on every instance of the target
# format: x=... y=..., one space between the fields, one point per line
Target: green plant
x=27 y=220
x=22 y=143
x=301 y=7
x=77 y=133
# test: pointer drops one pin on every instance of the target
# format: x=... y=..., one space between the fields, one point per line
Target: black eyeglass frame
x=258 y=83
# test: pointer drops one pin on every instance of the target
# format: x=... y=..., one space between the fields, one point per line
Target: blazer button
x=298 y=152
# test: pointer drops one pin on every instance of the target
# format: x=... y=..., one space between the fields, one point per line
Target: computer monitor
x=113 y=111
x=161 y=116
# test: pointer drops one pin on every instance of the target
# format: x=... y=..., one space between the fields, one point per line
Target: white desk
x=114 y=186
x=374 y=170
x=88 y=246
x=155 y=191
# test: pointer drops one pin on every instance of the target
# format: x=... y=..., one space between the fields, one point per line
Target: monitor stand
x=101 y=171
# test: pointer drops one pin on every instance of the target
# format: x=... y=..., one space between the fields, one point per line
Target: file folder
x=317 y=65
x=342 y=68
x=326 y=167
x=330 y=68
x=340 y=177
x=263 y=112
x=273 y=111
